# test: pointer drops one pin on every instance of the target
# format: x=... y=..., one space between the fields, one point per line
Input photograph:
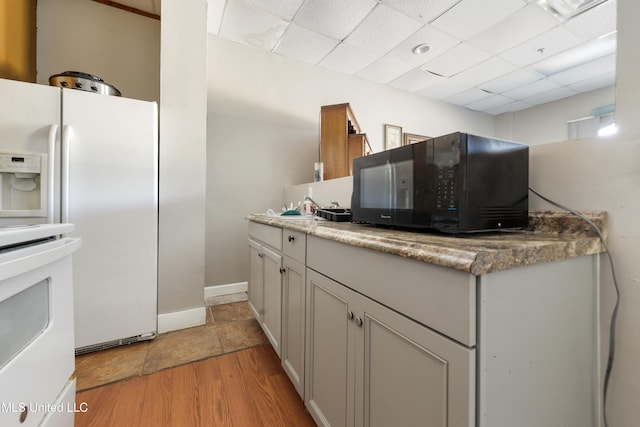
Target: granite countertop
x=551 y=236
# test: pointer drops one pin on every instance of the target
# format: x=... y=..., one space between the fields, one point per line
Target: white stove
x=37 y=381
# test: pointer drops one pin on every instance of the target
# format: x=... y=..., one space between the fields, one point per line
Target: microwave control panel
x=446 y=159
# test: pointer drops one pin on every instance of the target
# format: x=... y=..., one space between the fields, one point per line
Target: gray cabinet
x=370 y=366
x=372 y=339
x=293 y=307
x=265 y=280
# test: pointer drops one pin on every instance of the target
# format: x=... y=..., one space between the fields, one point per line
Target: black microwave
x=455 y=183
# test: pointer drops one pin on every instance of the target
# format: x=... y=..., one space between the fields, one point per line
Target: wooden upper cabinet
x=341 y=140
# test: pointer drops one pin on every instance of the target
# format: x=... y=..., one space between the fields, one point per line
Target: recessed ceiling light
x=421 y=48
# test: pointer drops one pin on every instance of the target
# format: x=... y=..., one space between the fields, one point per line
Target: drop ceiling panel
x=586 y=71
x=304 y=45
x=531 y=89
x=283 y=9
x=478 y=48
x=469 y=17
x=594 y=83
x=485 y=71
x=425 y=10
x=468 y=97
x=414 y=80
x=334 y=18
x=455 y=60
x=541 y=47
x=348 y=59
x=490 y=103
x=385 y=69
x=514 y=106
x=438 y=41
x=245 y=24
x=596 y=22
x=517 y=78
x=444 y=88
x=525 y=24
x=552 y=95
x=383 y=29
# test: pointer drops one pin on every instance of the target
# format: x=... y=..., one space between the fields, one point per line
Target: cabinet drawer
x=294 y=245
x=441 y=298
x=272 y=236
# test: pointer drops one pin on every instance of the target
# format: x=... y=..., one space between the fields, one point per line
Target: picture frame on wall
x=392 y=136
x=412 y=138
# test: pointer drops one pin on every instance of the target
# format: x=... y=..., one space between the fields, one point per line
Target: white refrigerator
x=99 y=172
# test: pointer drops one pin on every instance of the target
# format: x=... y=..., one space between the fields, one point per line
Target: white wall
x=120 y=47
x=548 y=122
x=263 y=129
x=605 y=174
x=183 y=103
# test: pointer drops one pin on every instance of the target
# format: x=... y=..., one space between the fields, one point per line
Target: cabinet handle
x=282 y=270
x=261 y=255
x=358 y=321
x=349 y=315
x=291 y=238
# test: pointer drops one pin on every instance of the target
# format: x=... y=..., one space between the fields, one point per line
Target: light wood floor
x=245 y=388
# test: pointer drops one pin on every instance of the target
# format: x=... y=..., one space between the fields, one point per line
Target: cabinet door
x=408 y=375
x=254 y=290
x=329 y=387
x=293 y=327
x=272 y=288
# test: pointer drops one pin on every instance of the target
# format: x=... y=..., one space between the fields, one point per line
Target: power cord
x=614 y=315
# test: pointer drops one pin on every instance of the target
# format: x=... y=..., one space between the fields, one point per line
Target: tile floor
x=230 y=327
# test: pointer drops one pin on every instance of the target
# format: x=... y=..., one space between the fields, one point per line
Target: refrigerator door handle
x=53 y=131
x=67 y=132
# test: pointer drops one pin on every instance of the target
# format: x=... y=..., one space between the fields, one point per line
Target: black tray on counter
x=334 y=214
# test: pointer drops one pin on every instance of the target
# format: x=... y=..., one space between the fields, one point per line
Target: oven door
x=36 y=330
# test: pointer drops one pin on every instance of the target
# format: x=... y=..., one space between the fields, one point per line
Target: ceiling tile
x=455 y=60
x=517 y=78
x=438 y=41
x=596 y=22
x=385 y=69
x=490 y=102
x=485 y=71
x=425 y=10
x=469 y=17
x=468 y=97
x=414 y=80
x=594 y=83
x=245 y=24
x=531 y=89
x=383 y=29
x=550 y=96
x=348 y=59
x=526 y=23
x=334 y=18
x=444 y=88
x=541 y=47
x=304 y=45
x=283 y=9
x=586 y=71
x=581 y=54
x=514 y=106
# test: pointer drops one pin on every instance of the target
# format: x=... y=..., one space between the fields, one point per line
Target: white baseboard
x=168 y=322
x=231 y=288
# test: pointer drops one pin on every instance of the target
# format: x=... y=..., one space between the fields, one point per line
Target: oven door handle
x=36 y=256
